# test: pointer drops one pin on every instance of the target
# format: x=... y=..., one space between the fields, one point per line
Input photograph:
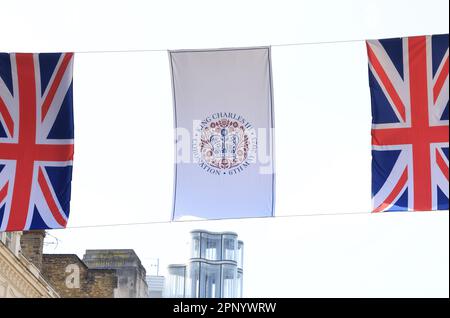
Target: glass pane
x=195 y=245
x=229 y=247
x=239 y=285
x=210 y=281
x=210 y=246
x=193 y=281
x=8 y=241
x=229 y=281
x=176 y=282
x=240 y=255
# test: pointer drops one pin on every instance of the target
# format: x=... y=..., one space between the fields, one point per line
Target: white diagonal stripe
x=55 y=106
x=397 y=171
x=400 y=85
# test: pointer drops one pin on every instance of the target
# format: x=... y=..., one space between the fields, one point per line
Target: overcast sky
x=123 y=166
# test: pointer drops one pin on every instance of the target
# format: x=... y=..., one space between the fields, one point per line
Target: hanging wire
x=272 y=45
x=232 y=219
x=319 y=42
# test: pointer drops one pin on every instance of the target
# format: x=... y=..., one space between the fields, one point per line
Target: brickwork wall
x=31 y=244
x=72 y=278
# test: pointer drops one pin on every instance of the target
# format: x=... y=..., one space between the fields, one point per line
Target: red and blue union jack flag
x=36 y=140
x=409 y=86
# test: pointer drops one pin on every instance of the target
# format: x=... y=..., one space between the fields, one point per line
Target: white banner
x=224 y=133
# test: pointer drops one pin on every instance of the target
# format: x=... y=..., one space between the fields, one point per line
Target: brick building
x=131 y=274
x=67 y=273
x=26 y=272
x=70 y=276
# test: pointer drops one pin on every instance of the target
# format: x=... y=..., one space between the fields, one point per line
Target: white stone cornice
x=14 y=270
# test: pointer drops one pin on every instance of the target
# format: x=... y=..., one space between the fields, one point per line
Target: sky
x=123 y=165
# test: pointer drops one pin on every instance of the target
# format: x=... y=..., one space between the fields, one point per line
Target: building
x=26 y=272
x=155 y=286
x=19 y=277
x=131 y=274
x=66 y=273
x=214 y=270
x=71 y=277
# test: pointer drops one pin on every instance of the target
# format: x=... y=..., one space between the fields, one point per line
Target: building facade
x=131 y=275
x=214 y=270
x=66 y=273
x=26 y=272
x=156 y=286
x=70 y=276
x=19 y=277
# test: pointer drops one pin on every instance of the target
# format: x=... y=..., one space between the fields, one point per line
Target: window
x=210 y=281
x=195 y=247
x=239 y=284
x=229 y=281
x=240 y=255
x=229 y=247
x=9 y=239
x=210 y=246
x=176 y=281
x=193 y=280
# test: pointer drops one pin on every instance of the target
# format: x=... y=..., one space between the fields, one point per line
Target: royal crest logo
x=224 y=143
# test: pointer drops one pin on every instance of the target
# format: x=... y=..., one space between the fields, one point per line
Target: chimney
x=32 y=245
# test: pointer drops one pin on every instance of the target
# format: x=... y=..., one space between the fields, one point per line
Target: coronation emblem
x=224 y=143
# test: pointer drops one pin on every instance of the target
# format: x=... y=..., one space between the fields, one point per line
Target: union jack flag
x=409 y=85
x=36 y=140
